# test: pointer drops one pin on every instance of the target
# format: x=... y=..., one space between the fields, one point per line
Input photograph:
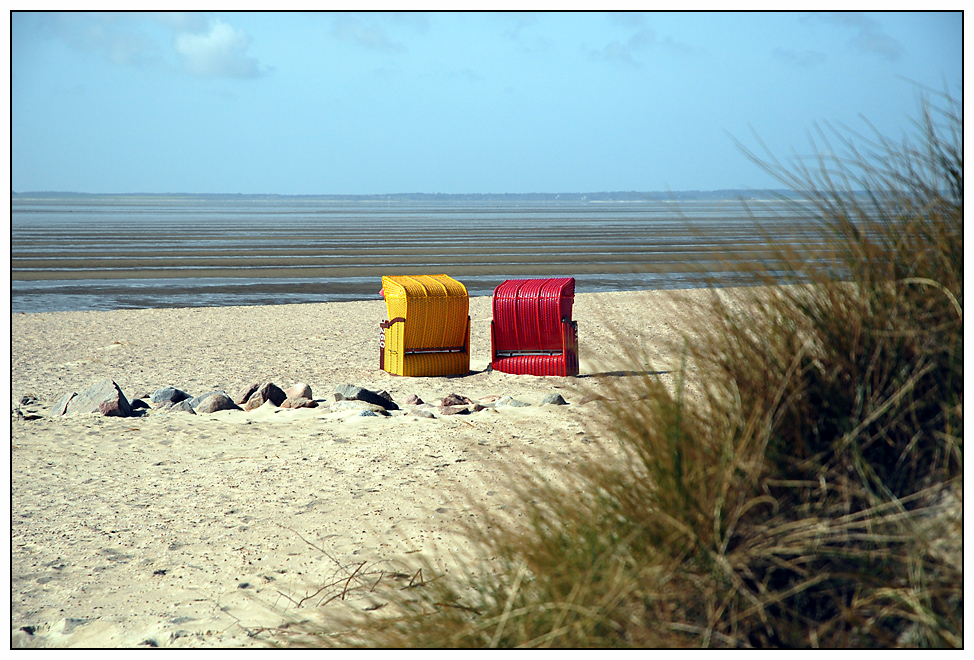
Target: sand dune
x=183 y=530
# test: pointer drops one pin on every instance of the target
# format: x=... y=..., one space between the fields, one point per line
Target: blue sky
x=335 y=103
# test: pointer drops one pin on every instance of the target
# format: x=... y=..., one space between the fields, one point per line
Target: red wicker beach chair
x=532 y=331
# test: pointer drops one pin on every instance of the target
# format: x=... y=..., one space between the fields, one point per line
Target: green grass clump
x=800 y=484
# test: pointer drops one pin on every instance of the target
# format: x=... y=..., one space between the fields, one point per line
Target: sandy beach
x=181 y=530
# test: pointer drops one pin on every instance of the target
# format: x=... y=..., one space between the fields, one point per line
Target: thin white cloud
x=869 y=37
x=522 y=30
x=203 y=44
x=220 y=52
x=802 y=60
x=184 y=21
x=622 y=53
x=418 y=21
x=373 y=37
x=465 y=74
x=626 y=53
x=113 y=36
x=629 y=19
x=615 y=52
x=872 y=41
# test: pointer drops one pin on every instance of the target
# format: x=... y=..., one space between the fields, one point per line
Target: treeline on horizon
x=628 y=196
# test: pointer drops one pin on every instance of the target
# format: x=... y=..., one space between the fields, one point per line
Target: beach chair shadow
x=532 y=331
x=428 y=331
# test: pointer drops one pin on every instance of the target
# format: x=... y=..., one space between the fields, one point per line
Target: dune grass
x=801 y=484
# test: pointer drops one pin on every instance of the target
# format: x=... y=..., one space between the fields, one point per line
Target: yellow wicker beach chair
x=428 y=331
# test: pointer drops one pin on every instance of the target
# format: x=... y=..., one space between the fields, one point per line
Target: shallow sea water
x=123 y=252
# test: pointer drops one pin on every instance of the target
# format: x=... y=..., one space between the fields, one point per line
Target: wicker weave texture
x=565 y=364
x=528 y=313
x=434 y=338
x=532 y=331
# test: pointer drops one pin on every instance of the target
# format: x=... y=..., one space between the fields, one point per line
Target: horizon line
x=409 y=194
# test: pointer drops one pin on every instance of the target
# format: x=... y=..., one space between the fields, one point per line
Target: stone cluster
x=107 y=398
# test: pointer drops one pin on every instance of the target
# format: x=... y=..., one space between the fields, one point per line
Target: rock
x=170 y=394
x=181 y=406
x=456 y=400
x=215 y=402
x=413 y=400
x=263 y=394
x=113 y=408
x=368 y=413
x=196 y=400
x=244 y=395
x=510 y=401
x=60 y=406
x=385 y=395
x=477 y=407
x=299 y=402
x=353 y=393
x=28 y=399
x=255 y=401
x=338 y=406
x=272 y=393
x=454 y=410
x=138 y=404
x=298 y=391
x=103 y=397
x=554 y=399
x=490 y=398
x=423 y=413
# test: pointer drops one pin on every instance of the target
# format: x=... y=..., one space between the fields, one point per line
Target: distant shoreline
x=627 y=196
